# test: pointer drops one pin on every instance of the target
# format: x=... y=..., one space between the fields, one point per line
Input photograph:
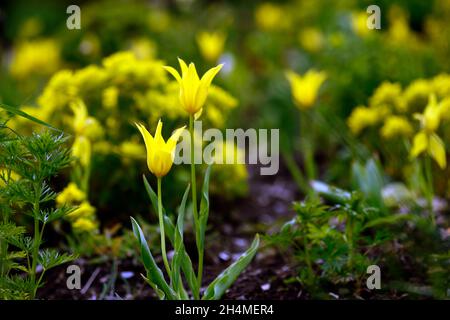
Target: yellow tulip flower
x=193 y=90
x=160 y=154
x=211 y=45
x=426 y=140
x=83 y=124
x=305 y=88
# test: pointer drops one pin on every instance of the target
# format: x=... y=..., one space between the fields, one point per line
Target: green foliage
x=27 y=165
x=331 y=240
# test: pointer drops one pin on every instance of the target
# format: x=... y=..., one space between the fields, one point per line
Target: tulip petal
x=173 y=72
x=172 y=142
x=148 y=139
x=437 y=151
x=209 y=75
x=420 y=144
x=159 y=140
x=183 y=66
x=205 y=83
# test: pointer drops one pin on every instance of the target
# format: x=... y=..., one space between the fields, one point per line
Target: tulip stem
x=307 y=144
x=161 y=229
x=430 y=191
x=194 y=203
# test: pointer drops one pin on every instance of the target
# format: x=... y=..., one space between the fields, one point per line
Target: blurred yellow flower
x=38 y=57
x=399 y=31
x=110 y=97
x=81 y=149
x=31 y=27
x=193 y=90
x=70 y=195
x=131 y=149
x=311 y=39
x=431 y=116
x=82 y=123
x=396 y=126
x=83 y=211
x=84 y=225
x=359 y=23
x=269 y=16
x=305 y=88
x=441 y=85
x=388 y=94
x=416 y=95
x=211 y=45
x=7 y=175
x=143 y=48
x=426 y=140
x=361 y=118
x=160 y=154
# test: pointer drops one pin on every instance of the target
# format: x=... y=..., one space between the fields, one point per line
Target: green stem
x=307 y=145
x=350 y=226
x=308 y=259
x=35 y=253
x=193 y=175
x=161 y=230
x=295 y=172
x=430 y=191
x=200 y=249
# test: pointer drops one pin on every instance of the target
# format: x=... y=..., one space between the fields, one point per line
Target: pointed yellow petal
x=210 y=74
x=437 y=151
x=183 y=66
x=192 y=73
x=172 y=142
x=149 y=143
x=159 y=140
x=173 y=72
x=420 y=144
x=205 y=83
x=292 y=77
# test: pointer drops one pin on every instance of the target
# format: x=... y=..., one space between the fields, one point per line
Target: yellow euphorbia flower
x=160 y=154
x=211 y=45
x=426 y=139
x=84 y=225
x=193 y=90
x=305 y=88
x=361 y=118
x=84 y=211
x=38 y=57
x=71 y=194
x=396 y=126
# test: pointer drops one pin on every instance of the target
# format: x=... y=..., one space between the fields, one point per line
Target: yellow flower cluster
x=124 y=84
x=83 y=217
x=38 y=57
x=123 y=89
x=389 y=100
x=392 y=110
